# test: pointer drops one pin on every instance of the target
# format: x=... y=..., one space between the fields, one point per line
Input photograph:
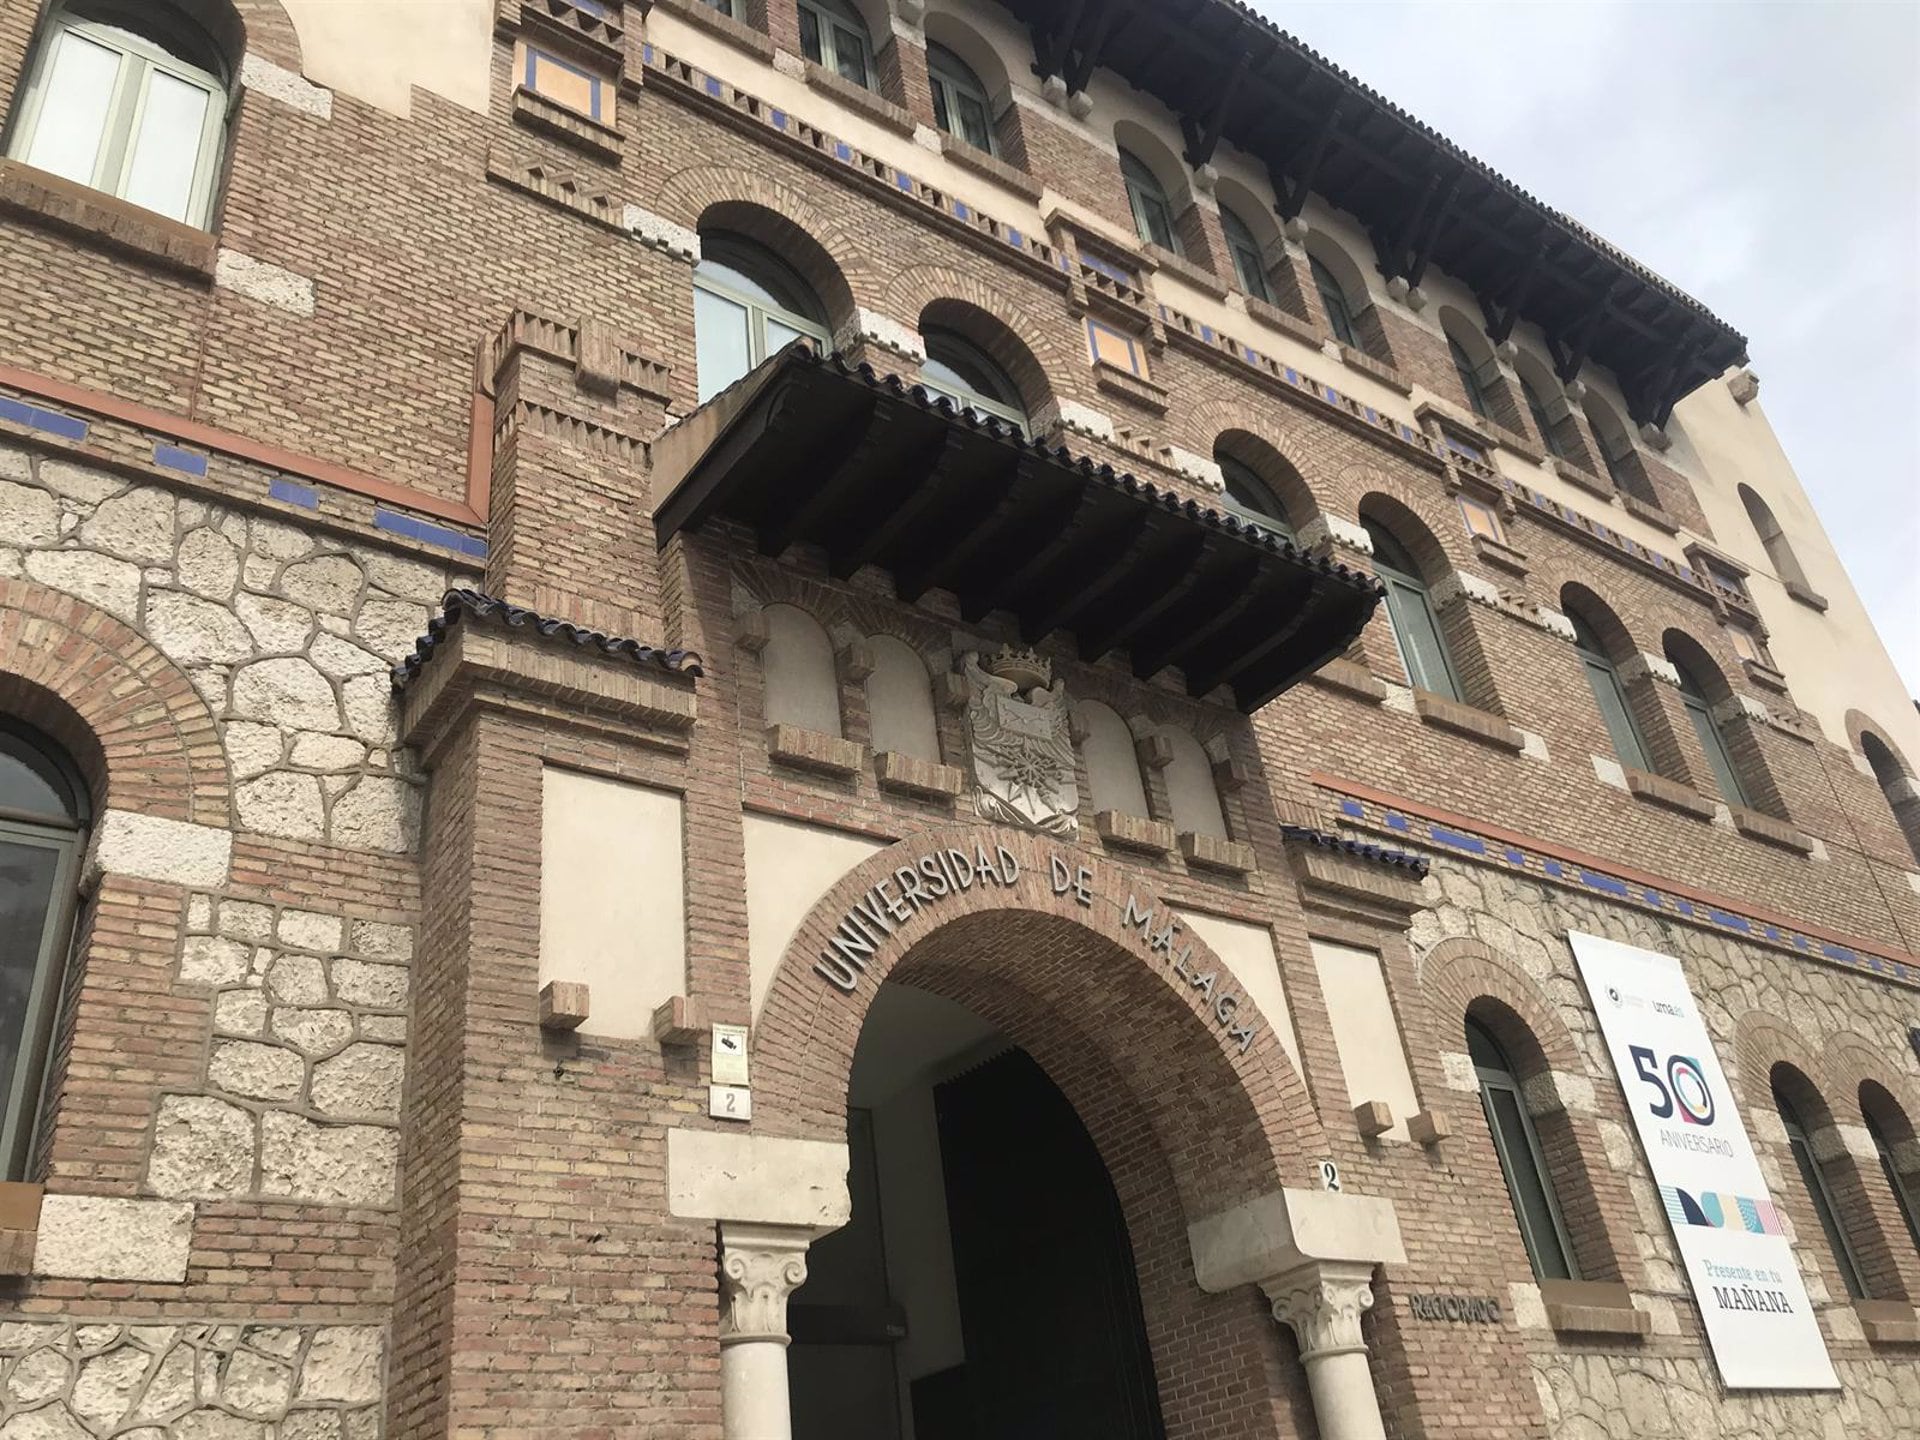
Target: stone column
x=1322 y=1302
x=760 y=1266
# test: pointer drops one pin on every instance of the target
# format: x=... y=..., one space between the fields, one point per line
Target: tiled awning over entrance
x=873 y=471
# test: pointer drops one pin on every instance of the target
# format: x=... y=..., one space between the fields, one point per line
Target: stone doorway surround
x=1186 y=1090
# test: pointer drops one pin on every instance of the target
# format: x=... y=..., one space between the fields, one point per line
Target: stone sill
x=1134 y=832
x=1765 y=675
x=1659 y=790
x=911 y=774
x=106 y=220
x=19 y=1225
x=1467 y=720
x=874 y=106
x=1128 y=386
x=1380 y=370
x=1504 y=556
x=814 y=750
x=1593 y=1307
x=569 y=127
x=1812 y=599
x=1585 y=479
x=1654 y=515
x=1349 y=678
x=1173 y=262
x=736 y=33
x=1770 y=831
x=1232 y=857
x=972 y=157
x=1888 y=1322
x=1464 y=424
x=1270 y=314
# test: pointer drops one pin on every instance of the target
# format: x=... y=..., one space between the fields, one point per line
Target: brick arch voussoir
x=1031 y=325
x=1459 y=971
x=1852 y=1060
x=1211 y=419
x=1762 y=1041
x=1428 y=505
x=270 y=32
x=130 y=719
x=1858 y=724
x=1244 y=1121
x=686 y=195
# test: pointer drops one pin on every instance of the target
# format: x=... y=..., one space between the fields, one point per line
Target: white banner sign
x=1759 y=1322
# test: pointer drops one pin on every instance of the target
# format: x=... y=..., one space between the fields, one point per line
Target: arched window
x=1876 y=1109
x=1608 y=692
x=900 y=702
x=1152 y=210
x=1535 y=1206
x=1549 y=432
x=1815 y=1181
x=1416 y=628
x=1113 y=765
x=128 y=97
x=1693 y=696
x=960 y=104
x=1469 y=379
x=1616 y=451
x=1248 y=263
x=833 y=34
x=1191 y=793
x=1333 y=299
x=960 y=370
x=802 y=681
x=747 y=304
x=43 y=813
x=1786 y=565
x=1250 y=497
x=1896 y=786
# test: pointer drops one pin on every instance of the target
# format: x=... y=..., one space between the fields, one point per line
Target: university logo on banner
x=1759 y=1323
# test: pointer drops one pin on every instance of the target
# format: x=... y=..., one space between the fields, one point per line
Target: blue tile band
x=187 y=462
x=444 y=536
x=305 y=496
x=36 y=418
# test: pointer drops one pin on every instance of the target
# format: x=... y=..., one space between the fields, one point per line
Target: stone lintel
x=99 y=1237
x=1278 y=1233
x=151 y=847
x=758 y=1180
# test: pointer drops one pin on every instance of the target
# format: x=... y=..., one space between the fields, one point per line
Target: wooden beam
x=912 y=498
x=1201 y=143
x=860 y=432
x=1293 y=197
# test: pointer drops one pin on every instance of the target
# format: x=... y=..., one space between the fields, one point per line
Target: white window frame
x=831 y=22
x=1145 y=193
x=966 y=397
x=139 y=59
x=758 y=313
x=951 y=80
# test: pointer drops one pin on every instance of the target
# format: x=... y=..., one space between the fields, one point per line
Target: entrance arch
x=1184 y=1088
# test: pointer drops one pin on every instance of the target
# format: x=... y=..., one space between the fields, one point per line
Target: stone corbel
x=760 y=1267
x=1322 y=1303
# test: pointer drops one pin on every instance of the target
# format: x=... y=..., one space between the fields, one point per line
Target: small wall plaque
x=730 y=1055
x=730 y=1102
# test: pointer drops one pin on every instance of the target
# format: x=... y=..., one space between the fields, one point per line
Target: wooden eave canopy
x=874 y=471
x=1232 y=74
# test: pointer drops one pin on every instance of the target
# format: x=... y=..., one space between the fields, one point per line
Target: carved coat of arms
x=1022 y=746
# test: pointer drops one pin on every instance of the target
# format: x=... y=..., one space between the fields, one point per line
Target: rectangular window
x=1482 y=519
x=168 y=139
x=1717 y=754
x=1417 y=631
x=1525 y=1169
x=71 y=130
x=566 y=83
x=1114 y=347
x=723 y=342
x=1612 y=701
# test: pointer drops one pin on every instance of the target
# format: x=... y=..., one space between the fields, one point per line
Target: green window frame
x=1333 y=299
x=960 y=104
x=1152 y=210
x=43 y=820
x=1719 y=756
x=747 y=305
x=958 y=369
x=1821 y=1197
x=1251 y=498
x=137 y=114
x=1523 y=1165
x=1609 y=694
x=1549 y=432
x=1470 y=379
x=1410 y=613
x=1903 y=1196
x=1248 y=263
x=832 y=34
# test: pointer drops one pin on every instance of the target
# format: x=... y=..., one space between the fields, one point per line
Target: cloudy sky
x=1765 y=157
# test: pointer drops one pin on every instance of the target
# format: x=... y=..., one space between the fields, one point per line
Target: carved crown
x=1025 y=667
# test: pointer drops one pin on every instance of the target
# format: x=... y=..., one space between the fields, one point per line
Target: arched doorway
x=986 y=1285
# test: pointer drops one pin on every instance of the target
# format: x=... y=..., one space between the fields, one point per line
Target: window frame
x=1005 y=406
x=1405 y=589
x=1549 y=432
x=1144 y=192
x=1333 y=300
x=1249 y=265
x=1826 y=1209
x=1477 y=398
x=1904 y=1200
x=953 y=80
x=741 y=256
x=1719 y=756
x=1238 y=472
x=1504 y=1079
x=139 y=58
x=1603 y=678
x=832 y=20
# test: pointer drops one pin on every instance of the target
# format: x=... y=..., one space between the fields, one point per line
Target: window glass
x=1700 y=712
x=1896 y=1182
x=959 y=370
x=723 y=342
x=1416 y=629
x=833 y=35
x=959 y=99
x=1248 y=496
x=166 y=145
x=1334 y=301
x=1522 y=1164
x=1469 y=378
x=1549 y=432
x=747 y=304
x=1609 y=695
x=1247 y=262
x=32 y=786
x=72 y=124
x=1823 y=1207
x=1152 y=211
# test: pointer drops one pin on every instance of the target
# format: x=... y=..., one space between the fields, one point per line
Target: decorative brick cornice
x=476 y=608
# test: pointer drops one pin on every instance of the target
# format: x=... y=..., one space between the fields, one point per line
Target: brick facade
x=445 y=350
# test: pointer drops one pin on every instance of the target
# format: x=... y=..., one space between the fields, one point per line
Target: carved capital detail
x=1322 y=1304
x=760 y=1267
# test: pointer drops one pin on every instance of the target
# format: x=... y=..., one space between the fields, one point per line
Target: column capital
x=760 y=1267
x=1322 y=1302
